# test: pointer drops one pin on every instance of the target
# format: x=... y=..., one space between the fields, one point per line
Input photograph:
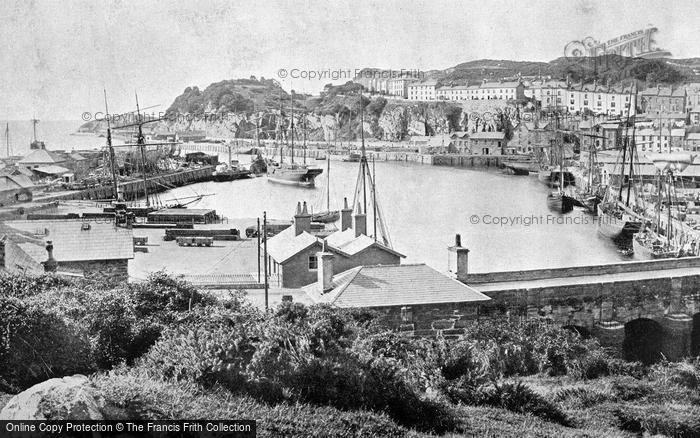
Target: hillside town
x=499 y=248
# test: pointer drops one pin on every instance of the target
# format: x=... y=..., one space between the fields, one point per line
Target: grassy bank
x=162 y=350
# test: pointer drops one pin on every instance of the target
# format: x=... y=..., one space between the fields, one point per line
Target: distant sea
x=56 y=134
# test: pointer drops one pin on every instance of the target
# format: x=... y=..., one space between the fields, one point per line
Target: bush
x=517 y=397
x=36 y=344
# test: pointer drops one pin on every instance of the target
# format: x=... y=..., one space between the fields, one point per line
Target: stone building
x=293 y=252
x=91 y=249
x=663 y=99
x=15 y=188
x=487 y=143
x=413 y=297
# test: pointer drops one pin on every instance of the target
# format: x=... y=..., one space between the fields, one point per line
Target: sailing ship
x=327 y=216
x=366 y=186
x=619 y=220
x=558 y=201
x=292 y=173
x=353 y=158
x=665 y=240
x=230 y=171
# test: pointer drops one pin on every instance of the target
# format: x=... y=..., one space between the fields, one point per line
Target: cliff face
x=245 y=108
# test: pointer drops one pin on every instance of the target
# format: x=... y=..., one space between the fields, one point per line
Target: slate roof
x=286 y=245
x=393 y=285
x=41 y=156
x=493 y=135
x=348 y=244
x=13 y=182
x=51 y=170
x=73 y=242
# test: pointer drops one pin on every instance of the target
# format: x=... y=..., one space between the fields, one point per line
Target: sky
x=56 y=57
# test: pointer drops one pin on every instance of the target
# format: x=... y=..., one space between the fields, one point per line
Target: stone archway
x=695 y=336
x=643 y=341
x=581 y=330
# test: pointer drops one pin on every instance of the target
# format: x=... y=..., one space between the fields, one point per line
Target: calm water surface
x=425 y=206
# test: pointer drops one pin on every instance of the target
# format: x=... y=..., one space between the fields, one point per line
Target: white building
x=424 y=90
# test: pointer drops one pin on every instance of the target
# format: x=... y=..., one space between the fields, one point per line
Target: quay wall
x=453 y=160
x=134 y=189
x=577 y=271
x=605 y=310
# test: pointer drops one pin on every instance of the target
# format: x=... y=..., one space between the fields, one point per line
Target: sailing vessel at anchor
x=292 y=173
x=327 y=216
x=665 y=240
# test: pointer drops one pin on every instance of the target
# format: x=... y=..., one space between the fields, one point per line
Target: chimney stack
x=458 y=259
x=50 y=264
x=360 y=222
x=345 y=216
x=302 y=219
x=325 y=270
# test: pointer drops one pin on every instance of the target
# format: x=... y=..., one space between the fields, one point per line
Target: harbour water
x=503 y=219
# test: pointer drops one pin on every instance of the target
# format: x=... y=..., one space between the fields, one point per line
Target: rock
x=55 y=399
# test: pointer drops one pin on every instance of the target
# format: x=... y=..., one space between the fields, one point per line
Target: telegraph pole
x=267 y=306
x=258 y=250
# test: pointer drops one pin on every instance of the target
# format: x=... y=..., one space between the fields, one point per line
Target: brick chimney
x=50 y=264
x=345 y=216
x=325 y=270
x=458 y=259
x=302 y=219
x=360 y=222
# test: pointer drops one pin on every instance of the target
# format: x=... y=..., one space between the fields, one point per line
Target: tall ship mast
x=670 y=238
x=292 y=173
x=619 y=217
x=365 y=198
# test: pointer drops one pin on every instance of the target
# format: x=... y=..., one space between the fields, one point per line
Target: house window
x=313 y=262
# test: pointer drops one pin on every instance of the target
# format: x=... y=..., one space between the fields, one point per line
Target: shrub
x=518 y=397
x=22 y=286
x=36 y=344
x=206 y=354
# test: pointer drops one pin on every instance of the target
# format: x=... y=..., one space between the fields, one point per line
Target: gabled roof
x=693 y=136
x=77 y=157
x=14 y=182
x=346 y=243
x=493 y=135
x=393 y=285
x=51 y=170
x=77 y=240
x=286 y=245
x=41 y=156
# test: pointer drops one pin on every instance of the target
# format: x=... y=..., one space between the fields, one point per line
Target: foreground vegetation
x=160 y=350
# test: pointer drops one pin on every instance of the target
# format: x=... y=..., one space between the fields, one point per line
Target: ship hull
x=301 y=176
x=643 y=250
x=326 y=217
x=560 y=203
x=617 y=228
x=553 y=178
x=230 y=176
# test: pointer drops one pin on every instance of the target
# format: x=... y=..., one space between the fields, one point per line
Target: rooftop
x=285 y=245
x=41 y=156
x=492 y=135
x=76 y=240
x=394 y=285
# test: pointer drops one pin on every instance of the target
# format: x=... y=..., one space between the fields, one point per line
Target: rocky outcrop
x=69 y=397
